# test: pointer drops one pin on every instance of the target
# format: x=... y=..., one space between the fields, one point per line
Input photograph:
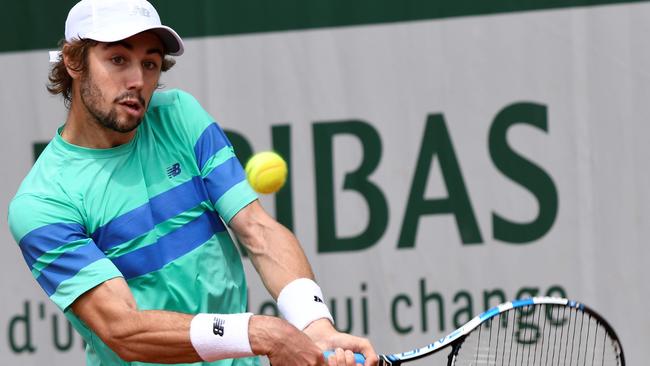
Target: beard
x=92 y=97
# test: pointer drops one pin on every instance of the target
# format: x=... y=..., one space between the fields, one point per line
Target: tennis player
x=122 y=220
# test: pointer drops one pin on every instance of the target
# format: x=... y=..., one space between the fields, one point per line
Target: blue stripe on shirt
x=179 y=199
x=67 y=266
x=142 y=219
x=223 y=177
x=169 y=247
x=39 y=241
x=211 y=140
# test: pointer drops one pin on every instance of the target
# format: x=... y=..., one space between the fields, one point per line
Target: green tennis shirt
x=151 y=211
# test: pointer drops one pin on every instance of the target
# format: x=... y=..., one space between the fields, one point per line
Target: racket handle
x=358 y=357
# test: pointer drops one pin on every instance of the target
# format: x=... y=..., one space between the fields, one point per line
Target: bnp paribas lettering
x=435 y=143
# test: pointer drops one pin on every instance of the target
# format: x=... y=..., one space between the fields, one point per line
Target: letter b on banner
x=357 y=180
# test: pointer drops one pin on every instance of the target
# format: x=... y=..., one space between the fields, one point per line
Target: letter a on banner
x=436 y=142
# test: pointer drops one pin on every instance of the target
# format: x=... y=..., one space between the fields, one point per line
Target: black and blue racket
x=539 y=331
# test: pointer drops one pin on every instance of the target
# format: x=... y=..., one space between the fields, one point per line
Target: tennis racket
x=538 y=331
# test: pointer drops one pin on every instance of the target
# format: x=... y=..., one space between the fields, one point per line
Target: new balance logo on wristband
x=217 y=326
x=317 y=299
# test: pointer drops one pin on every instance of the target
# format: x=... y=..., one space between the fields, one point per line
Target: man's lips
x=132 y=106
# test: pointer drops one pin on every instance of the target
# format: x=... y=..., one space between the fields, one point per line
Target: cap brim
x=171 y=40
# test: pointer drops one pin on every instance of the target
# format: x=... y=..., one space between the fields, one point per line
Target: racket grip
x=358 y=357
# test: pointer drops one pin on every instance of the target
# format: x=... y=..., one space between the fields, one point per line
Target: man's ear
x=72 y=66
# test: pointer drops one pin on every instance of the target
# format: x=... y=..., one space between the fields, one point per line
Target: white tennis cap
x=115 y=20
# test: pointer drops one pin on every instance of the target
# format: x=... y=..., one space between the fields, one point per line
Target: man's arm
x=149 y=336
x=273 y=249
x=164 y=336
x=279 y=259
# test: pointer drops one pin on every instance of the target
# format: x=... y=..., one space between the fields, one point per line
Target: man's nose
x=135 y=78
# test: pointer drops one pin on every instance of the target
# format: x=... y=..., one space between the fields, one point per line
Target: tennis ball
x=266 y=172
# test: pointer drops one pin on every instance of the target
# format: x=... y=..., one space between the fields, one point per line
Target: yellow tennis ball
x=266 y=172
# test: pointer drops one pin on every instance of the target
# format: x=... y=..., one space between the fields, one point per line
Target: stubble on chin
x=92 y=97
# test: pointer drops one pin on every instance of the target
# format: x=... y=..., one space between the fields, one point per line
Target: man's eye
x=118 y=60
x=150 y=65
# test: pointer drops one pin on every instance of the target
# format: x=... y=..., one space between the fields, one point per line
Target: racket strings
x=542 y=335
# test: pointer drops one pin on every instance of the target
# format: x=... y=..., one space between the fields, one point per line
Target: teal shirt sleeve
x=62 y=258
x=221 y=171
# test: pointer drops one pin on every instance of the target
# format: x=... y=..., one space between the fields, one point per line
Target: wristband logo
x=218 y=326
x=318 y=299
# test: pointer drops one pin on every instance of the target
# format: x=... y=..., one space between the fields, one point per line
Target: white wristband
x=221 y=336
x=301 y=302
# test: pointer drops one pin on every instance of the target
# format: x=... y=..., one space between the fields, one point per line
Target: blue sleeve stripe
x=67 y=266
x=223 y=177
x=40 y=241
x=211 y=140
x=142 y=219
x=169 y=247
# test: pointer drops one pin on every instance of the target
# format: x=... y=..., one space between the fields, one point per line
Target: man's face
x=120 y=79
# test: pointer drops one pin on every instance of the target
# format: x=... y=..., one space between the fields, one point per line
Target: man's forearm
x=152 y=336
x=273 y=249
x=143 y=335
x=160 y=336
x=155 y=336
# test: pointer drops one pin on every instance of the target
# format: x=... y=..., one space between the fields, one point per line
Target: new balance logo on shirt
x=173 y=170
x=317 y=299
x=218 y=326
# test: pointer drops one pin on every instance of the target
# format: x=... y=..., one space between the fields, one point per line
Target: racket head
x=533 y=331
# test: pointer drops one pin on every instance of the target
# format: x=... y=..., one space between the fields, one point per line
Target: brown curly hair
x=60 y=81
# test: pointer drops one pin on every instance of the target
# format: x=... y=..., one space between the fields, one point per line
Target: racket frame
x=457 y=335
